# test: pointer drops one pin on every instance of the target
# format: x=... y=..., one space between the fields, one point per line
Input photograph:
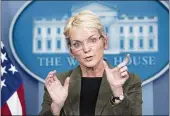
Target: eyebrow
x=81 y=41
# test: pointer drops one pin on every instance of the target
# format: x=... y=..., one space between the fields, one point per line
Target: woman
x=94 y=87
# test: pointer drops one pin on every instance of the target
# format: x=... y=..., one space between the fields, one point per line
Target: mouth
x=89 y=58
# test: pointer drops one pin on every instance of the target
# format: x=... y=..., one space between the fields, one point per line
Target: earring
x=73 y=57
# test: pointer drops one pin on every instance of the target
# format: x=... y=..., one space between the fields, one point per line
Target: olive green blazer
x=130 y=105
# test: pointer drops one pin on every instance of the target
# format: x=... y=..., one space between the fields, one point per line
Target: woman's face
x=87 y=46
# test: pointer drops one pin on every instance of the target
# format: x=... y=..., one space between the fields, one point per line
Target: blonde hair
x=85 y=19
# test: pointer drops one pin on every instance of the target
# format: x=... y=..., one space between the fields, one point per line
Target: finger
x=116 y=69
x=51 y=73
x=106 y=67
x=47 y=84
x=125 y=62
x=55 y=78
x=48 y=78
x=124 y=74
x=67 y=83
x=54 y=75
x=123 y=69
x=125 y=78
x=54 y=72
x=50 y=81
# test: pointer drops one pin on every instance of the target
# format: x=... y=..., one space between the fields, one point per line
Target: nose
x=86 y=48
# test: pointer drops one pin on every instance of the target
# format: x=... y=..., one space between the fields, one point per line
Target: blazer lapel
x=104 y=95
x=74 y=91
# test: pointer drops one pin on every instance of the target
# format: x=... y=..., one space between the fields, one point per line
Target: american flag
x=12 y=90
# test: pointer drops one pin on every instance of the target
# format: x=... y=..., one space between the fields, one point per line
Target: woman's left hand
x=118 y=75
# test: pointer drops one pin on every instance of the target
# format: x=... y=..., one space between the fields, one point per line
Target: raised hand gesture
x=57 y=92
x=118 y=75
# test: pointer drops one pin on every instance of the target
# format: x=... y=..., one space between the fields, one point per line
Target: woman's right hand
x=57 y=92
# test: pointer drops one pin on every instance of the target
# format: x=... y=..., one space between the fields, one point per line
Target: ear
x=105 y=41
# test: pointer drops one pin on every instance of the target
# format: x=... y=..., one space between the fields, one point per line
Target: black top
x=88 y=96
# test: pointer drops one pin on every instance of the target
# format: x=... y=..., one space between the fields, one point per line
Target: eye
x=92 y=40
x=76 y=45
